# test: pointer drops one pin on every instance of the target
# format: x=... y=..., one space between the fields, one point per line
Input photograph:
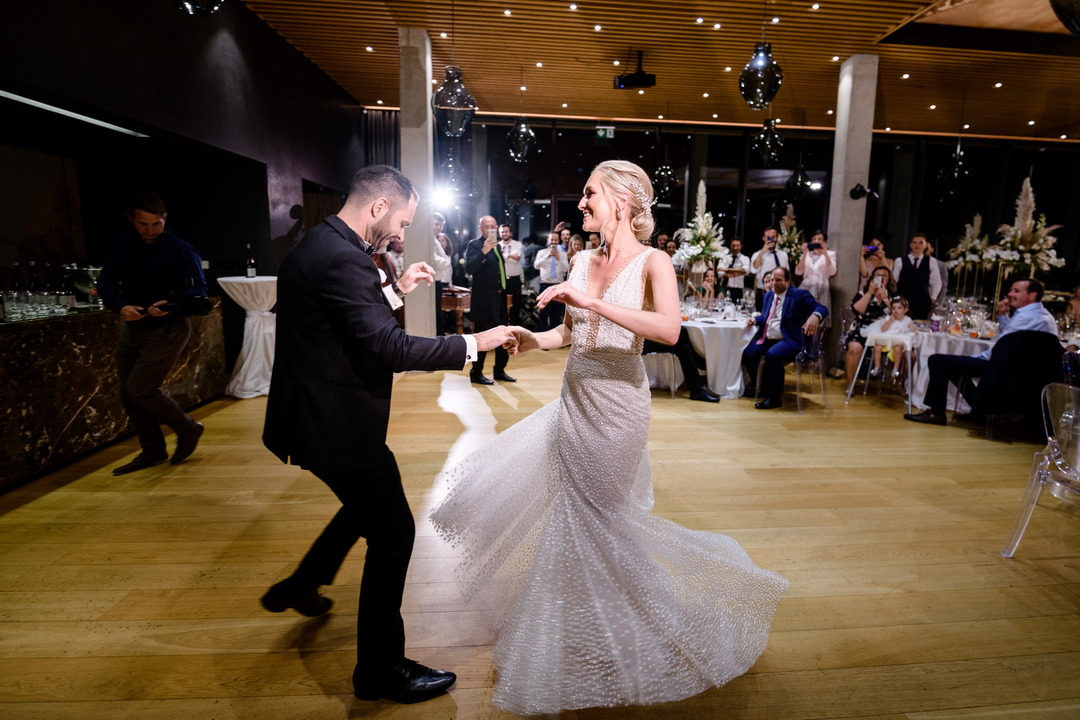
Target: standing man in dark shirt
x=144 y=270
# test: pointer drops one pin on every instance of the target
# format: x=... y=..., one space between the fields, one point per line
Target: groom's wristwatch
x=397 y=291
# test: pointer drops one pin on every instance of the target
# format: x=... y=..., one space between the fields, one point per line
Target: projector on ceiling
x=637 y=79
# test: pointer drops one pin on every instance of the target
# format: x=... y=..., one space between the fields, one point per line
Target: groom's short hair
x=381 y=181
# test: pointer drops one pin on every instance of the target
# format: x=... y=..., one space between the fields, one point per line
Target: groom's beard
x=381 y=234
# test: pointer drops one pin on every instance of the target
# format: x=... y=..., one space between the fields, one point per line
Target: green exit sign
x=605 y=132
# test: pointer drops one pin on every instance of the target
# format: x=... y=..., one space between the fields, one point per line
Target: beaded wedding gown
x=600 y=603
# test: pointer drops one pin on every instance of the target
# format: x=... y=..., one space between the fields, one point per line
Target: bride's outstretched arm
x=661 y=324
x=528 y=340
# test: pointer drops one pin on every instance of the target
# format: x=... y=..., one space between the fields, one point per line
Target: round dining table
x=932 y=343
x=255 y=364
x=721 y=343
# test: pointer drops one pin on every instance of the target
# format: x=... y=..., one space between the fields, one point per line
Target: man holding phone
x=765 y=260
x=486 y=264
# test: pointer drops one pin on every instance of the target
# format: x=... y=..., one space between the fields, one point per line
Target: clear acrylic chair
x=1057 y=466
x=809 y=359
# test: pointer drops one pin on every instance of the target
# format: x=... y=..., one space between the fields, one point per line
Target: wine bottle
x=250 y=262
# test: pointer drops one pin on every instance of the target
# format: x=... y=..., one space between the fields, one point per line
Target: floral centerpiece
x=701 y=243
x=969 y=258
x=789 y=237
x=1026 y=245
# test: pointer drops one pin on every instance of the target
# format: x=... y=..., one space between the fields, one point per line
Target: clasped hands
x=131 y=313
x=810 y=327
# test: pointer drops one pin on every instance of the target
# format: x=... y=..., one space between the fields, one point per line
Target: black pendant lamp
x=956 y=171
x=760 y=79
x=521 y=140
x=768 y=143
x=203 y=8
x=1068 y=12
x=799 y=183
x=664 y=181
x=454 y=107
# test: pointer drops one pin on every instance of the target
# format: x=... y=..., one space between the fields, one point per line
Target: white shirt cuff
x=470 y=348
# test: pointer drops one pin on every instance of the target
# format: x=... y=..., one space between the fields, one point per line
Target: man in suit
x=487 y=307
x=787 y=314
x=338 y=348
x=916 y=278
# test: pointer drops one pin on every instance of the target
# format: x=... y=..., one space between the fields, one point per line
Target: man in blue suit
x=787 y=314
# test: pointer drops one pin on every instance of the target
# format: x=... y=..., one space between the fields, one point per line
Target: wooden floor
x=137 y=596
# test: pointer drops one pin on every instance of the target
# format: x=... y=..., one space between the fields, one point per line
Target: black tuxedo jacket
x=337 y=349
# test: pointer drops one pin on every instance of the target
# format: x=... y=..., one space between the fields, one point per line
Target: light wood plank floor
x=137 y=596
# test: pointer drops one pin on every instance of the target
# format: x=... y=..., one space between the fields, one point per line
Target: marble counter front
x=58 y=386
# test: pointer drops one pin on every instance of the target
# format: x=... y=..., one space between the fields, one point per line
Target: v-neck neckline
x=616 y=276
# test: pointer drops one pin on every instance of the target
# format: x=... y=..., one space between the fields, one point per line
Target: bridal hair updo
x=625 y=179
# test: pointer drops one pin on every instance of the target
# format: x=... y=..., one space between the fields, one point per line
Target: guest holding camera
x=869 y=307
x=149 y=278
x=816 y=266
x=872 y=257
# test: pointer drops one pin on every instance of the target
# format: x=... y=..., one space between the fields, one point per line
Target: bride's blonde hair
x=622 y=178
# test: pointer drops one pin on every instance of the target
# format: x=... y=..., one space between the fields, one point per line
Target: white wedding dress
x=601 y=602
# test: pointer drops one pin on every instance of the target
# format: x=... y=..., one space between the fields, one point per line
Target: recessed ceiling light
x=775 y=20
x=830 y=112
x=539 y=64
x=715 y=115
x=1064 y=136
x=727 y=69
x=564 y=104
x=434 y=81
x=573 y=6
x=616 y=62
x=779 y=120
x=700 y=20
x=835 y=58
x=370 y=49
x=597 y=28
x=966 y=126
x=442 y=34
x=888 y=129
x=506 y=12
x=704 y=94
x=378 y=102
x=815 y=6
x=1031 y=122
x=933 y=107
x=997 y=85
x=640 y=92
x=523 y=88
x=659 y=117
x=716 y=26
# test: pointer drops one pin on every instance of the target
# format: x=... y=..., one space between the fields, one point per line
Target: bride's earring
x=618 y=214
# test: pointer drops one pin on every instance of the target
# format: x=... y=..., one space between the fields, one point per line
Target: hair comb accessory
x=641 y=195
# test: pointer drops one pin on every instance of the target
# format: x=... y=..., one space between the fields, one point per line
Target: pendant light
x=799 y=183
x=760 y=79
x=664 y=180
x=521 y=138
x=203 y=8
x=768 y=143
x=452 y=104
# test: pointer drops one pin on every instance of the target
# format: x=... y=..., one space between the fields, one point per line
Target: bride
x=596 y=601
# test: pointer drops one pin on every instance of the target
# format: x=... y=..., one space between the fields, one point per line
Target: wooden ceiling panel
x=497 y=51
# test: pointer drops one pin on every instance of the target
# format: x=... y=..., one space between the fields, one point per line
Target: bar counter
x=58 y=386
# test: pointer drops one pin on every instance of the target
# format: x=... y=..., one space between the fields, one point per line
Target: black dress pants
x=684 y=351
x=777 y=354
x=945 y=369
x=373 y=506
x=145 y=354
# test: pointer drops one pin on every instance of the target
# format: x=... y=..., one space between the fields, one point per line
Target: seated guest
x=684 y=351
x=897 y=323
x=869 y=306
x=1025 y=298
x=787 y=313
x=706 y=292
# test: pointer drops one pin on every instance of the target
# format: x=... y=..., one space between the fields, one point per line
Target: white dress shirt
x=739 y=262
x=551 y=273
x=935 y=278
x=444 y=273
x=773 y=331
x=513 y=266
x=769 y=262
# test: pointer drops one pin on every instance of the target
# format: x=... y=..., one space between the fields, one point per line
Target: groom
x=338 y=347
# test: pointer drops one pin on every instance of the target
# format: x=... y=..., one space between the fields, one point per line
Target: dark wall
x=227 y=82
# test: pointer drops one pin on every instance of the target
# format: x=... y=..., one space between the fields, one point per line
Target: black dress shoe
x=479 y=379
x=284 y=595
x=142 y=460
x=406 y=682
x=501 y=376
x=704 y=395
x=929 y=417
x=768 y=404
x=186 y=444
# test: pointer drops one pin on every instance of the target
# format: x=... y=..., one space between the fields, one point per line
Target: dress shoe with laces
x=406 y=682
x=284 y=595
x=186 y=444
x=930 y=417
x=768 y=404
x=501 y=376
x=140 y=461
x=479 y=379
x=704 y=394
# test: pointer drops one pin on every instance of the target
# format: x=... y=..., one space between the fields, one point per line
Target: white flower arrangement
x=702 y=240
x=971 y=252
x=789 y=237
x=1027 y=244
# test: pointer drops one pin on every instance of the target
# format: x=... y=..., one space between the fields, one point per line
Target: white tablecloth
x=721 y=343
x=931 y=343
x=257 y=295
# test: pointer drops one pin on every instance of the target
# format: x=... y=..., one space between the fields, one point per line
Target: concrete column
x=855 y=99
x=417 y=162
